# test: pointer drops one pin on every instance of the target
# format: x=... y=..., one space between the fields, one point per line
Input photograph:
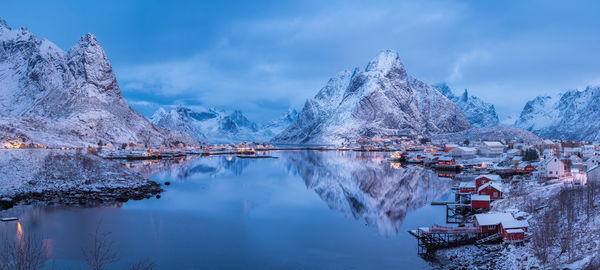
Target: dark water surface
x=305 y=210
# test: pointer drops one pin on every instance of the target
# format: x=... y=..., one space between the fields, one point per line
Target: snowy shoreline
x=67 y=177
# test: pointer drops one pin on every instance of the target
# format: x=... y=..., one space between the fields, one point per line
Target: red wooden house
x=466 y=187
x=492 y=189
x=482 y=179
x=446 y=161
x=480 y=201
x=510 y=228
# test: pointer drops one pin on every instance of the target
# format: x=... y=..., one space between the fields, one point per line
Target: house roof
x=493 y=177
x=490 y=184
x=465 y=149
x=493 y=218
x=493 y=144
x=515 y=231
x=514 y=223
x=466 y=185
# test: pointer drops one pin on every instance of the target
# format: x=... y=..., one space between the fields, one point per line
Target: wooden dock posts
x=428 y=241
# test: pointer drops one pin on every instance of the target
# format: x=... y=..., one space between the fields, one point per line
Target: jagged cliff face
x=478 y=112
x=364 y=188
x=573 y=115
x=217 y=126
x=380 y=100
x=72 y=95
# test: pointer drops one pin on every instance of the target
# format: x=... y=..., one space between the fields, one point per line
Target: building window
x=495 y=194
x=491 y=227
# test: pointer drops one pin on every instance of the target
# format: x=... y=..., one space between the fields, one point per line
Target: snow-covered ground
x=67 y=177
x=564 y=225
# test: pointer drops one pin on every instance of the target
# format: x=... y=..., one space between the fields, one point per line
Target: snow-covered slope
x=218 y=126
x=380 y=100
x=478 y=112
x=573 y=115
x=496 y=133
x=74 y=93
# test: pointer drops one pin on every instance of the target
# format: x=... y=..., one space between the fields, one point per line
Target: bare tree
x=145 y=264
x=101 y=253
x=25 y=253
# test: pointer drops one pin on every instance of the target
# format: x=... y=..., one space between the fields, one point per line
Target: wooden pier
x=437 y=237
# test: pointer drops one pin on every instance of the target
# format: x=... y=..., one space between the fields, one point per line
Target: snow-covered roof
x=465 y=149
x=514 y=223
x=466 y=185
x=493 y=218
x=444 y=158
x=515 y=231
x=492 y=184
x=493 y=177
x=476 y=197
x=493 y=144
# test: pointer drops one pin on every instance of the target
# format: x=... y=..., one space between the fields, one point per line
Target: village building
x=511 y=229
x=526 y=167
x=449 y=146
x=446 y=161
x=489 y=149
x=516 y=160
x=480 y=201
x=513 y=152
x=552 y=168
x=588 y=150
x=570 y=151
x=492 y=189
x=593 y=174
x=463 y=152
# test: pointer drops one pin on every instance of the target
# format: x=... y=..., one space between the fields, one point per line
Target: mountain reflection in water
x=364 y=186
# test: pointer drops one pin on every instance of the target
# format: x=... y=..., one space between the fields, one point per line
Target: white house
x=491 y=148
x=552 y=167
x=588 y=150
x=570 y=151
x=593 y=174
x=464 y=152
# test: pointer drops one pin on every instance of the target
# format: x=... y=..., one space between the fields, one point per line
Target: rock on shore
x=67 y=177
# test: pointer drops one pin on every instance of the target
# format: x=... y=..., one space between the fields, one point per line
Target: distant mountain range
x=217 y=126
x=478 y=112
x=379 y=100
x=60 y=98
x=573 y=115
x=54 y=97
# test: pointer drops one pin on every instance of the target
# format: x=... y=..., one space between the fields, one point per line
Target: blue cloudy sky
x=263 y=57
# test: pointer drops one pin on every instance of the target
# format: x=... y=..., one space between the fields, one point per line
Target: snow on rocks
x=67 y=177
x=71 y=96
x=381 y=100
x=572 y=115
x=478 y=112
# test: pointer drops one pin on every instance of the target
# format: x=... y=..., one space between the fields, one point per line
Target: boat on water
x=253 y=156
x=9 y=219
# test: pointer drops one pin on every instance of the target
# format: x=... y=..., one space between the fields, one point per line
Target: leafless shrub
x=101 y=253
x=145 y=264
x=24 y=253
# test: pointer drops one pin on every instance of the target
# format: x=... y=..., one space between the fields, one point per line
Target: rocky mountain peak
x=387 y=62
x=465 y=96
x=4 y=25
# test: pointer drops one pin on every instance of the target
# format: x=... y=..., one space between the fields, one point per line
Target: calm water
x=305 y=210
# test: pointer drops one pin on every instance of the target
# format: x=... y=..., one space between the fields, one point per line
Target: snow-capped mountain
x=218 y=126
x=380 y=100
x=572 y=115
x=478 y=112
x=67 y=98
